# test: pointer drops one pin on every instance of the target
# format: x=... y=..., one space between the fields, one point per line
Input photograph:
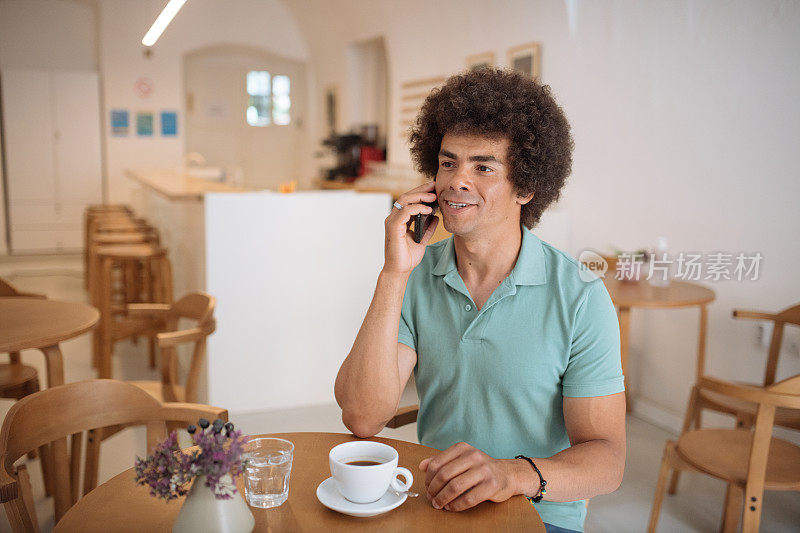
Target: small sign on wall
x=119 y=122
x=169 y=123
x=144 y=124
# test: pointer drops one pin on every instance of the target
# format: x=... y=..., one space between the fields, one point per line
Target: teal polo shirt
x=495 y=378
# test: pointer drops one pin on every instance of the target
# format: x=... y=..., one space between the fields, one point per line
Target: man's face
x=473 y=170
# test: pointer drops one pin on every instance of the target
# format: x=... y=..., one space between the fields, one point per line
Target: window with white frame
x=269 y=99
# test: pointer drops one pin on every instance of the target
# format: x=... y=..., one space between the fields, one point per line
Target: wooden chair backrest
x=790 y=315
x=58 y=412
x=786 y=394
x=197 y=306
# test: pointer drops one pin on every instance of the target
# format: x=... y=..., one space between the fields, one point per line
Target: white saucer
x=330 y=497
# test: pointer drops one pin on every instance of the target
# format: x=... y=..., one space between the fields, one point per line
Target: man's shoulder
x=566 y=272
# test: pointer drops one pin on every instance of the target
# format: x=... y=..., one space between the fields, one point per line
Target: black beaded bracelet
x=542 y=483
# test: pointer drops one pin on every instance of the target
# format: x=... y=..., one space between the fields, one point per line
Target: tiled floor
x=696 y=508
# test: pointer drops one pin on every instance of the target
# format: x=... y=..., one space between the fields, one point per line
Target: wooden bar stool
x=91 y=216
x=116 y=238
x=152 y=264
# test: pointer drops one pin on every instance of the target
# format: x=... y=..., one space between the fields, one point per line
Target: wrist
x=532 y=483
x=393 y=275
x=523 y=481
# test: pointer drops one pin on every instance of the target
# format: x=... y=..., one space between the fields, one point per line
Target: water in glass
x=266 y=479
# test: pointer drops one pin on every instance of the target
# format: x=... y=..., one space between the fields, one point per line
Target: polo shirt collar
x=530 y=268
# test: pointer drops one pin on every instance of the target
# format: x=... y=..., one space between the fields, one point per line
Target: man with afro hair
x=514 y=348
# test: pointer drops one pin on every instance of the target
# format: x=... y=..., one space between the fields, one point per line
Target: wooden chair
x=750 y=461
x=744 y=412
x=69 y=410
x=403 y=416
x=16 y=379
x=197 y=306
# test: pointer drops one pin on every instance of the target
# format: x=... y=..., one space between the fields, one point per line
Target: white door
x=77 y=152
x=31 y=180
x=52 y=147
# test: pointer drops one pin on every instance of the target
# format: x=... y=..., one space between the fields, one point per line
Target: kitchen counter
x=176 y=185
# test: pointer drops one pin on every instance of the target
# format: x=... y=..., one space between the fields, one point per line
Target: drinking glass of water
x=266 y=478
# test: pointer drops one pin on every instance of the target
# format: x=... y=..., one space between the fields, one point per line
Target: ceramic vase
x=202 y=511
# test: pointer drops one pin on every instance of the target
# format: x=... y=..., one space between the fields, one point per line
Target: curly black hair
x=501 y=103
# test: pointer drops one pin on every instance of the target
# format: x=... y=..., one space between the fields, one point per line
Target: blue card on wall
x=119 y=122
x=144 y=124
x=169 y=123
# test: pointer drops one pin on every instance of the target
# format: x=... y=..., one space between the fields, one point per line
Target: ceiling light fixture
x=163 y=20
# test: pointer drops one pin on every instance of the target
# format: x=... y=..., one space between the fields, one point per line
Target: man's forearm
x=368 y=384
x=581 y=471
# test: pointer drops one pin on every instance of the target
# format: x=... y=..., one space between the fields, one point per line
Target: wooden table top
x=29 y=323
x=129 y=507
x=642 y=294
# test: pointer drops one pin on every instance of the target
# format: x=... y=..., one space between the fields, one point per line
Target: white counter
x=293 y=275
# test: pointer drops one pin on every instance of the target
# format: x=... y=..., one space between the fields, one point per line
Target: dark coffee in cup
x=363 y=463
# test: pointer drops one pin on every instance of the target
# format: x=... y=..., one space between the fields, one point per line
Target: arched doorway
x=245 y=110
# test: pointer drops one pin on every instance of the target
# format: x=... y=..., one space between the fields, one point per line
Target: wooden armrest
x=755 y=315
x=158 y=310
x=173 y=338
x=9 y=487
x=191 y=412
x=403 y=416
x=747 y=393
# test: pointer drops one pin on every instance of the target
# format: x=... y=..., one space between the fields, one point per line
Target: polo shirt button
x=468 y=307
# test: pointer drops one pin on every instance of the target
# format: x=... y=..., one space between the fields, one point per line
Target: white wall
x=45 y=34
x=263 y=24
x=686 y=120
x=367 y=87
x=58 y=34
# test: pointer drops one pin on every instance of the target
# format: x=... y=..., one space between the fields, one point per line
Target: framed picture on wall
x=526 y=59
x=483 y=60
x=331 y=107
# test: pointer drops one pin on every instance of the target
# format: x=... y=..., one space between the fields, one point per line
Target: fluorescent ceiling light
x=163 y=20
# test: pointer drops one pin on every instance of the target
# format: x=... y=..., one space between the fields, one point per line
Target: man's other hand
x=462 y=477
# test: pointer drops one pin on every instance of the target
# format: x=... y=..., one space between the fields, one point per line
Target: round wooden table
x=121 y=505
x=629 y=294
x=34 y=324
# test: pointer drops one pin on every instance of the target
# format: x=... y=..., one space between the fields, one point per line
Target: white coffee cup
x=366 y=484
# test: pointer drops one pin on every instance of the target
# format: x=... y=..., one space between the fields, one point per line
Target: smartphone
x=421 y=221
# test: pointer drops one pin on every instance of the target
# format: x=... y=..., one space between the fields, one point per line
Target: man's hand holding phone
x=402 y=252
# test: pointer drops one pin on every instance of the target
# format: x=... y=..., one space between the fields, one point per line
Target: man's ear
x=522 y=200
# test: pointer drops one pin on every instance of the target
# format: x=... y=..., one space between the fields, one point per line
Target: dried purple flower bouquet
x=169 y=470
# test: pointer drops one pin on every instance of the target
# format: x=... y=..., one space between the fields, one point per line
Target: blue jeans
x=550 y=528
